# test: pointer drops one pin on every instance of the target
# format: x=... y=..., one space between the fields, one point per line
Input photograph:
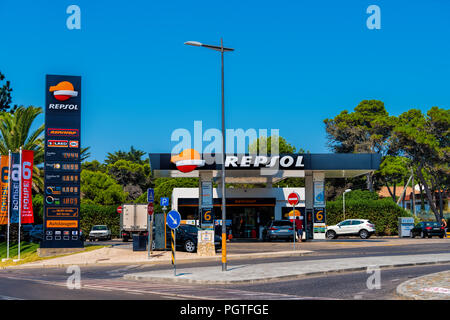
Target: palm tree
x=16 y=132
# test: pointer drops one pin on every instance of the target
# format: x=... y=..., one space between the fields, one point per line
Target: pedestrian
x=444 y=225
x=299 y=228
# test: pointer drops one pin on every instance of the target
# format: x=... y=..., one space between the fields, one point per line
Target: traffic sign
x=293 y=198
x=164 y=202
x=119 y=209
x=150 y=208
x=150 y=195
x=173 y=219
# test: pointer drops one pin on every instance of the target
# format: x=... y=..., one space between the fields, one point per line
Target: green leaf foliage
x=383 y=213
x=94 y=214
x=99 y=188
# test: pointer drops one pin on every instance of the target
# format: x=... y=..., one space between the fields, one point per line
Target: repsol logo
x=258 y=161
x=62 y=106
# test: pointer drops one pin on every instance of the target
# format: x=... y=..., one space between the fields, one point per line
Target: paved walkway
x=434 y=286
x=126 y=256
x=247 y=273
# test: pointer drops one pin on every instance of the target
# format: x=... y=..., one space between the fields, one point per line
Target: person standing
x=299 y=228
x=444 y=225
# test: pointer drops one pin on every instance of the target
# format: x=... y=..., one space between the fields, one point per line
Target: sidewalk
x=248 y=273
x=434 y=286
x=125 y=256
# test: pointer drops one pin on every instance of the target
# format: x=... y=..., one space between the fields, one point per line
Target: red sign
x=293 y=198
x=150 y=208
x=27 y=178
x=119 y=209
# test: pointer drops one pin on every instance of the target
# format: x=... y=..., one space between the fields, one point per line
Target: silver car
x=100 y=232
x=278 y=229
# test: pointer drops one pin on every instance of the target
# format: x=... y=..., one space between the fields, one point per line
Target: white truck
x=133 y=220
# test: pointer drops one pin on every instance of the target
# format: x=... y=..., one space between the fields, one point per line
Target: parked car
x=187 y=238
x=99 y=232
x=278 y=229
x=428 y=229
x=26 y=229
x=351 y=227
x=37 y=234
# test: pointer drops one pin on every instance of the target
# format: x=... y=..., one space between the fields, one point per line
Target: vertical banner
x=62 y=162
x=15 y=187
x=4 y=186
x=27 y=178
x=319 y=194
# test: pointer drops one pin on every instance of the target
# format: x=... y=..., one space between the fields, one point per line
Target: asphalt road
x=105 y=282
x=52 y=285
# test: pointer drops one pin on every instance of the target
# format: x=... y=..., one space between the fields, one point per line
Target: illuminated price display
x=62 y=155
x=62 y=190
x=62 y=162
x=58 y=166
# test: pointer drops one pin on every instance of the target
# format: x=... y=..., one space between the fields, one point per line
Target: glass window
x=99 y=228
x=190 y=228
x=356 y=222
x=282 y=223
x=345 y=223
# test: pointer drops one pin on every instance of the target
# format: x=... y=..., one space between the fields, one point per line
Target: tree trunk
x=390 y=192
x=422 y=203
x=428 y=192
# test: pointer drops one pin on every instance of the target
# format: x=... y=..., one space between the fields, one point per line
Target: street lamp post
x=222 y=49
x=343 y=202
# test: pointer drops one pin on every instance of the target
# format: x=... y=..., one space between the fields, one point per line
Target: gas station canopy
x=253 y=168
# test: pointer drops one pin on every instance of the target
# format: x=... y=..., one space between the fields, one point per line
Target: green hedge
x=94 y=214
x=384 y=213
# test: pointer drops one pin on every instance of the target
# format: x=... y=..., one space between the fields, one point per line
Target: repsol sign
x=62 y=106
x=261 y=161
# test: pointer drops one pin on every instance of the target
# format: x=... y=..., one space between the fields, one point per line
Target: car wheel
x=125 y=239
x=364 y=234
x=441 y=236
x=189 y=246
x=429 y=236
x=422 y=235
x=331 y=234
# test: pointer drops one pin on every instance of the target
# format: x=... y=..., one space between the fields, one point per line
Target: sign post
x=173 y=221
x=293 y=199
x=62 y=165
x=164 y=203
x=150 y=211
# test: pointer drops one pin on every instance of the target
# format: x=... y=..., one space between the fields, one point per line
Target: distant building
x=407 y=201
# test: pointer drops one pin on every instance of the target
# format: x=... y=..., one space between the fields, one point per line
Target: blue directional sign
x=164 y=202
x=150 y=195
x=173 y=219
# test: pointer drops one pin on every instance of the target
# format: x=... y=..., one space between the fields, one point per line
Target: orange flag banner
x=4 y=181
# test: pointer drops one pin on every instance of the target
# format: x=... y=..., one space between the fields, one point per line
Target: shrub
x=383 y=213
x=94 y=214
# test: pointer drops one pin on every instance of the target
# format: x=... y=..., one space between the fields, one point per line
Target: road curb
x=248 y=256
x=274 y=278
x=408 y=293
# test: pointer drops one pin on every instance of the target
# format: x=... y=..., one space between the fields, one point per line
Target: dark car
x=428 y=229
x=278 y=229
x=26 y=229
x=37 y=234
x=187 y=238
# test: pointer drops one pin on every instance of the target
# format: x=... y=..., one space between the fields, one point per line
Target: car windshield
x=96 y=228
x=283 y=223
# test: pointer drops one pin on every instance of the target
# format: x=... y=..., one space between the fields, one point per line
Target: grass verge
x=28 y=253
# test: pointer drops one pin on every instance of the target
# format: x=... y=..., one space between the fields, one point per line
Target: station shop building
x=248 y=210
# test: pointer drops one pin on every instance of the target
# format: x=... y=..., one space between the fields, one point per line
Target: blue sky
x=296 y=63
